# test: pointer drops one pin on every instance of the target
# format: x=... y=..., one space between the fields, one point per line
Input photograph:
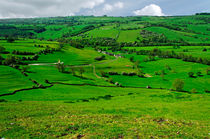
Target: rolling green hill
x=105 y=77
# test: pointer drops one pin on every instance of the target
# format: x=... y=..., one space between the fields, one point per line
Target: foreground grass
x=130 y=113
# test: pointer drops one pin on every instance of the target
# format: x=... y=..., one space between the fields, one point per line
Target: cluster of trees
x=172 y=54
x=172 y=27
x=40 y=46
x=10 y=39
x=62 y=68
x=3 y=50
x=48 y=50
x=10 y=60
x=35 y=57
x=150 y=37
x=39 y=29
x=16 y=52
x=83 y=30
x=9 y=30
x=193 y=75
x=130 y=28
x=149 y=58
x=202 y=14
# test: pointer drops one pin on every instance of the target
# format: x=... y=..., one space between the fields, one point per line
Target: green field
x=105 y=77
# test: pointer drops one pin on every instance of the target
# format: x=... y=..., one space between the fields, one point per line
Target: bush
x=193 y=90
x=2 y=49
x=103 y=74
x=190 y=74
x=10 y=40
x=113 y=73
x=156 y=73
x=198 y=73
x=204 y=50
x=100 y=58
x=208 y=71
x=207 y=91
x=178 y=84
x=3 y=100
x=110 y=80
x=132 y=59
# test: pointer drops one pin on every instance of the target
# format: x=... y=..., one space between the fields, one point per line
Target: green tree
x=10 y=60
x=81 y=71
x=208 y=71
x=73 y=71
x=61 y=67
x=178 y=84
x=2 y=49
x=10 y=40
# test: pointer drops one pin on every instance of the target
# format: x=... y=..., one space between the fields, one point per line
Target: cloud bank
x=109 y=7
x=151 y=10
x=43 y=8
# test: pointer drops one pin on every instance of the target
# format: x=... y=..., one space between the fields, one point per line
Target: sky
x=51 y=8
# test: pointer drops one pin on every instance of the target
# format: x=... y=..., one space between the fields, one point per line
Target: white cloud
x=109 y=7
x=151 y=10
x=43 y=8
x=119 y=5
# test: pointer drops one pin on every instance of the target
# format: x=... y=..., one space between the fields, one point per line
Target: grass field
x=102 y=91
x=128 y=36
x=178 y=70
x=130 y=113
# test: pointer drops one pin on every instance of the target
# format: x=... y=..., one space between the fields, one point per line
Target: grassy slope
x=128 y=36
x=179 y=69
x=11 y=79
x=143 y=113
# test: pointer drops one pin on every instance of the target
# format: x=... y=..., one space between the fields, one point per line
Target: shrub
x=168 y=67
x=46 y=81
x=112 y=73
x=132 y=59
x=10 y=40
x=190 y=74
x=198 y=73
x=2 y=49
x=156 y=73
x=208 y=71
x=207 y=91
x=103 y=74
x=193 y=90
x=100 y=58
x=178 y=84
x=110 y=80
x=204 y=50
x=3 y=100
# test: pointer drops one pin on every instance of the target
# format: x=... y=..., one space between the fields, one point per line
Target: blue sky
x=44 y=8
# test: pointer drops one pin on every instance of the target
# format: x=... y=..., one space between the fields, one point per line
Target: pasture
x=81 y=77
